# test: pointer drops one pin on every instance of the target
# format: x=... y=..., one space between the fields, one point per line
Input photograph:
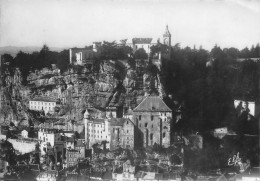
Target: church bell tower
x=167 y=37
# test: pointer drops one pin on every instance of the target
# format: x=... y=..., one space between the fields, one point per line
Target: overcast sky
x=70 y=23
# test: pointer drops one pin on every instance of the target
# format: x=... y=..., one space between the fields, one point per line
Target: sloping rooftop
x=119 y=121
x=152 y=104
x=142 y=40
x=43 y=99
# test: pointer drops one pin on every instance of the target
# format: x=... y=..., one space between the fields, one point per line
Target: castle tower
x=167 y=37
x=86 y=120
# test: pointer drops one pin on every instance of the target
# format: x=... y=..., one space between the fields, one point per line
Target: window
x=127 y=131
x=140 y=117
x=152 y=126
x=145 y=125
x=151 y=136
x=164 y=135
x=152 y=117
x=140 y=125
x=126 y=122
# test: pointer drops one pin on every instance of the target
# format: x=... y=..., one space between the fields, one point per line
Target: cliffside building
x=74 y=155
x=153 y=117
x=43 y=104
x=253 y=107
x=114 y=132
x=48 y=138
x=147 y=43
x=84 y=56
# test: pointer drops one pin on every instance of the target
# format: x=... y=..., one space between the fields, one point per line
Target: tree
x=140 y=54
x=109 y=51
x=44 y=49
x=63 y=61
x=245 y=53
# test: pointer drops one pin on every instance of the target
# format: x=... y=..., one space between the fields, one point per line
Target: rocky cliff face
x=116 y=84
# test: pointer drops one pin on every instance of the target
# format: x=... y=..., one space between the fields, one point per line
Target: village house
x=24 y=133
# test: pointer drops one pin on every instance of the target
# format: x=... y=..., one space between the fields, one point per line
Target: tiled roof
x=152 y=104
x=98 y=121
x=142 y=40
x=79 y=143
x=119 y=121
x=43 y=99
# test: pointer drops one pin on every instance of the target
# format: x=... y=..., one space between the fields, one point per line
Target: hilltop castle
x=85 y=56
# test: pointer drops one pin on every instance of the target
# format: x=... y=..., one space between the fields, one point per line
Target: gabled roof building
x=153 y=117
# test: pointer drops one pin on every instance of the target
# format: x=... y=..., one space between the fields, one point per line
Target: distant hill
x=13 y=50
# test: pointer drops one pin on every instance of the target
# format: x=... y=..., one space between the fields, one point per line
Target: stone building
x=113 y=131
x=123 y=132
x=43 y=104
x=84 y=56
x=74 y=155
x=48 y=138
x=145 y=43
x=153 y=117
x=252 y=106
